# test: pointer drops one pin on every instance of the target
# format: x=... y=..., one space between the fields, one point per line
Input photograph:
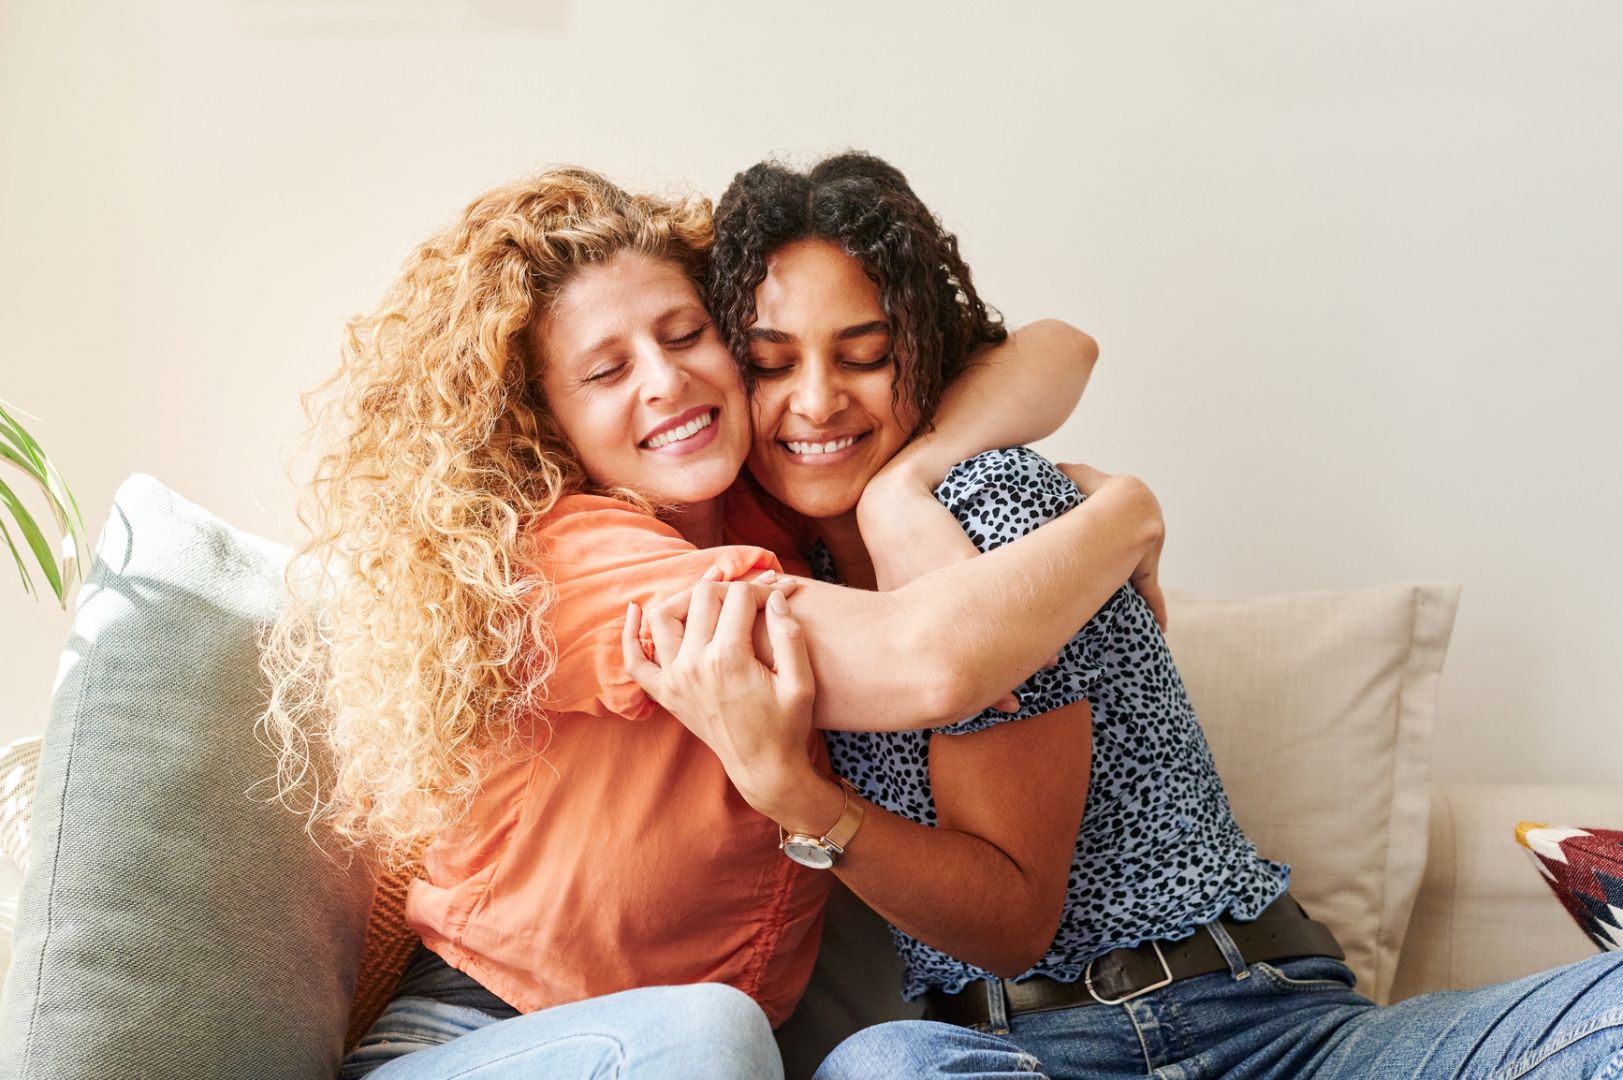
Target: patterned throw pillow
x=1584 y=868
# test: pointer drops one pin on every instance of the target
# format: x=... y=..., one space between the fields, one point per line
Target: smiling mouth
x=681 y=434
x=833 y=446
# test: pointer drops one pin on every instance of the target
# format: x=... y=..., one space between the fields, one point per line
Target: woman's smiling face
x=822 y=357
x=640 y=382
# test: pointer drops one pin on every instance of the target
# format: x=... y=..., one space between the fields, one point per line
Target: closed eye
x=870 y=365
x=606 y=372
x=688 y=339
x=767 y=371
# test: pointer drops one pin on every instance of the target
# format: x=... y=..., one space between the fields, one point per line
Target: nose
x=817 y=393
x=663 y=375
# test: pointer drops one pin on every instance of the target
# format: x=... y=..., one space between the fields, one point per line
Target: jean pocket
x=1307 y=975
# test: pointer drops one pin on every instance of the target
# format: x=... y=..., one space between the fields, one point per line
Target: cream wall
x=1356 y=268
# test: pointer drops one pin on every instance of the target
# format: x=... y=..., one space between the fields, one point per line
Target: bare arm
x=949 y=644
x=1017 y=849
x=757 y=719
x=1012 y=393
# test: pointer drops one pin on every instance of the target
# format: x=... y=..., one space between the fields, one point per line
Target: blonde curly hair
x=415 y=643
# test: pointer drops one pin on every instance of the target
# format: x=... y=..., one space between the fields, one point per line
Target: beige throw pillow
x=1319 y=710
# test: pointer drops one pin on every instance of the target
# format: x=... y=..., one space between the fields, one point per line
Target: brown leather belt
x=1283 y=931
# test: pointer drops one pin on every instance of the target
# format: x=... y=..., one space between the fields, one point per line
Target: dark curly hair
x=865 y=206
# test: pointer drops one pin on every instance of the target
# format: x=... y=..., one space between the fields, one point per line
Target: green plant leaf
x=23 y=462
x=36 y=540
x=18 y=436
x=22 y=567
x=25 y=453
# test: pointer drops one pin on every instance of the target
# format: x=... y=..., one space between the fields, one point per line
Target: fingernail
x=777 y=603
x=712 y=574
x=767 y=576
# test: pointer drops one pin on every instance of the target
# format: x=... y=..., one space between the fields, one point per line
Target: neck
x=844 y=542
x=699 y=523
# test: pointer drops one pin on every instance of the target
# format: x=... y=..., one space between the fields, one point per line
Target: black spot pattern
x=1159 y=852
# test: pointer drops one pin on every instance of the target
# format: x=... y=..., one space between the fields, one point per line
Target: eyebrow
x=780 y=337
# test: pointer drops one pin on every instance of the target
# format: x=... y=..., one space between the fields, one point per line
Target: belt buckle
x=1087 y=980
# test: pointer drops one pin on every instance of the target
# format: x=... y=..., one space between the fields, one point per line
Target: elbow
x=1016 y=958
x=1028 y=942
x=1137 y=502
x=949 y=694
x=1071 y=342
x=1155 y=526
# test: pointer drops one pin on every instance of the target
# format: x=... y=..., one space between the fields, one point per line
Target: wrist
x=888 y=490
x=802 y=801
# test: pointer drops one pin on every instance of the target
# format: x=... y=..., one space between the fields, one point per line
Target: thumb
x=789 y=656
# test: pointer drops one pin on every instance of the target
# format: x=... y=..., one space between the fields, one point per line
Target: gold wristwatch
x=821 y=852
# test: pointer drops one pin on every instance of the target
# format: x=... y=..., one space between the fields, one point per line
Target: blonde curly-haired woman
x=540 y=426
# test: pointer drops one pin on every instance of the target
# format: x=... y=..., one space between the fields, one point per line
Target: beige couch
x=1318 y=708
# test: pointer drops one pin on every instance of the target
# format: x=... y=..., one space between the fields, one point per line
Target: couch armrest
x=1485 y=914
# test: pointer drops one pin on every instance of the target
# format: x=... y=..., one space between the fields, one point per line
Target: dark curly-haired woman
x=1066 y=885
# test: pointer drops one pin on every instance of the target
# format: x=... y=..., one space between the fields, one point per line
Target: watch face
x=807 y=853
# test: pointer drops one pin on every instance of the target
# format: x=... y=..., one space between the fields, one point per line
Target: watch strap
x=850 y=819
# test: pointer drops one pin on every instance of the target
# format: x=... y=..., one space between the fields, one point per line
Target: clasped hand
x=755 y=714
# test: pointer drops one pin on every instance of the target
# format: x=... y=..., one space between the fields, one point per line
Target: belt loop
x=997 y=1008
x=1230 y=951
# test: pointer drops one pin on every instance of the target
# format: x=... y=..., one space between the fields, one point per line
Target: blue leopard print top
x=1159 y=852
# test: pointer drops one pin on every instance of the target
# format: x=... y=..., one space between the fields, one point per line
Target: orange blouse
x=618 y=855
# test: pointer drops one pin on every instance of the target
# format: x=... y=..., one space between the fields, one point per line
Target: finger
x=666 y=630
x=644 y=671
x=735 y=629
x=676 y=604
x=1053 y=662
x=702 y=611
x=1008 y=703
x=790 y=660
x=1085 y=477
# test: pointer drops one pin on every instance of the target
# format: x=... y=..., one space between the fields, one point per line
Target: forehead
x=615 y=298
x=812 y=288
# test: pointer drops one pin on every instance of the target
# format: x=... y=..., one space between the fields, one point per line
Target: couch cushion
x=1319 y=710
x=171 y=924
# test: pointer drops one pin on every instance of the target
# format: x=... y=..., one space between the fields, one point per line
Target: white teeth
x=820 y=448
x=686 y=431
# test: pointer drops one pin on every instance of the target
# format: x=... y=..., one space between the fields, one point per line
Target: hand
x=1146 y=577
x=757 y=719
x=664 y=617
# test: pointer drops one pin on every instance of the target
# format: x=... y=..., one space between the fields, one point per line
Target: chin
x=821 y=504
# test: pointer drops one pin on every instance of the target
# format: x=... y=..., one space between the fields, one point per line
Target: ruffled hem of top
x=1229 y=904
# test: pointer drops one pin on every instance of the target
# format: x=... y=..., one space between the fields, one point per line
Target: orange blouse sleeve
x=602 y=554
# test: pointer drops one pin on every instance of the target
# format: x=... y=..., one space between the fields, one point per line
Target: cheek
x=595 y=431
x=764 y=411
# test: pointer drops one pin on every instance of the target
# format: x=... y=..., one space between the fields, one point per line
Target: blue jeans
x=1299 y=1018
x=442 y=1025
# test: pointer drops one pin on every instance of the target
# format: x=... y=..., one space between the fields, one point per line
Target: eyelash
x=762 y=372
x=688 y=339
x=683 y=342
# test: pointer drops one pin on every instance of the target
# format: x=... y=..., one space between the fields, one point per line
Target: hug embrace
x=681 y=564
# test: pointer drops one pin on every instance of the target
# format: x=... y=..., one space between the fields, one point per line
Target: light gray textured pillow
x=170 y=925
